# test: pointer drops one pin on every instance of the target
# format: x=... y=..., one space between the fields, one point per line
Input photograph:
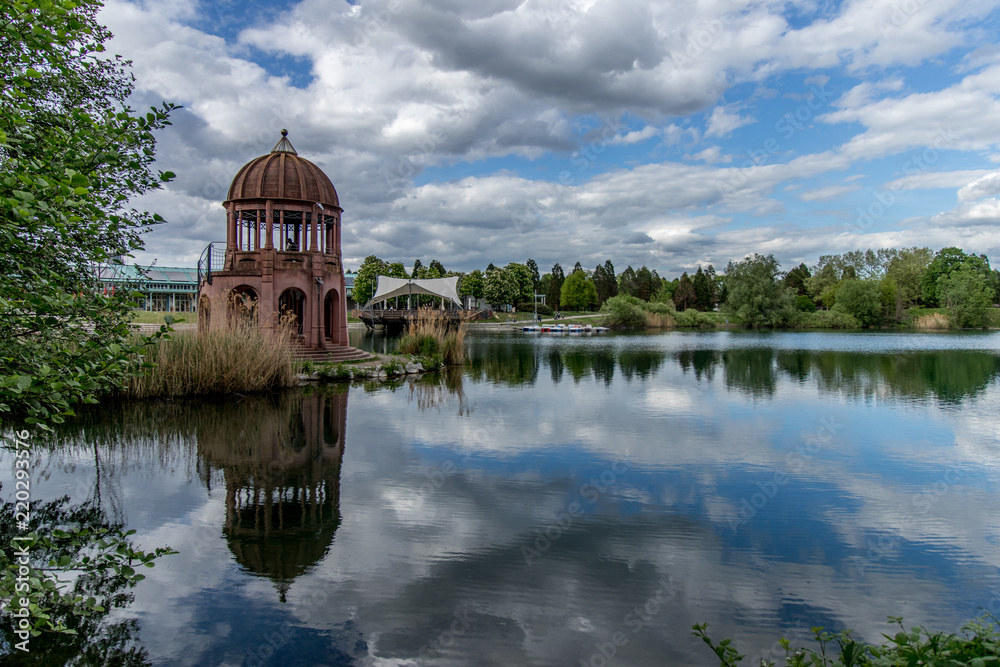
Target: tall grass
x=243 y=358
x=428 y=335
x=932 y=321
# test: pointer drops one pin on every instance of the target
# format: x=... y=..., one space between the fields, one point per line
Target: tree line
x=862 y=287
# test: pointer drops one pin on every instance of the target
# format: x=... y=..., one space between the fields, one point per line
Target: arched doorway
x=292 y=304
x=243 y=304
x=331 y=315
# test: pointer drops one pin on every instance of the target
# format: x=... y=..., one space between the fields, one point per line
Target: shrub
x=805 y=304
x=624 y=312
x=830 y=319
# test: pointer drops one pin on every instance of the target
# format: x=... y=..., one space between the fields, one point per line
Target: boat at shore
x=563 y=328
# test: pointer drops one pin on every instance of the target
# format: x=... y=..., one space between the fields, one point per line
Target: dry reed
x=243 y=358
x=932 y=321
x=429 y=335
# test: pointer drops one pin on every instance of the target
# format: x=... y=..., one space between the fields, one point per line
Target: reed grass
x=932 y=321
x=428 y=335
x=241 y=359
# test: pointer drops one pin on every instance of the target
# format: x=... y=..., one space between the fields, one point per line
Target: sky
x=666 y=134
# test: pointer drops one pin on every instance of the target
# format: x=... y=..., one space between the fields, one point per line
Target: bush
x=624 y=312
x=805 y=304
x=829 y=319
x=528 y=307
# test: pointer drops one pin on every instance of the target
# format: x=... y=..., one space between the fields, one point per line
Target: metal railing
x=212 y=259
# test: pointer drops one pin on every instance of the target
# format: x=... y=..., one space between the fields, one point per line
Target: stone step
x=333 y=354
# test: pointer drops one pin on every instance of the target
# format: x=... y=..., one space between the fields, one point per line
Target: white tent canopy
x=389 y=288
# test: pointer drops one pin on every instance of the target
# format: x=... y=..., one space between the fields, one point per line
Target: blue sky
x=669 y=134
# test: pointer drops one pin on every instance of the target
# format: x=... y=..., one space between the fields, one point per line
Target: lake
x=564 y=500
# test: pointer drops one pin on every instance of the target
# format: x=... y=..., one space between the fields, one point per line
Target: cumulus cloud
x=445 y=125
x=722 y=122
x=984 y=186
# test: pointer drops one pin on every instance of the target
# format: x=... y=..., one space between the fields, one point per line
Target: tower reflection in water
x=280 y=458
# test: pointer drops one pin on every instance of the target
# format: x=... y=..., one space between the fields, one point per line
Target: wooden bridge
x=396 y=320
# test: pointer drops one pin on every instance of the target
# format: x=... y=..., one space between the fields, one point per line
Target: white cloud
x=721 y=122
x=984 y=186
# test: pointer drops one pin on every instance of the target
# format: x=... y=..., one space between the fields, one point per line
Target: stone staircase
x=333 y=353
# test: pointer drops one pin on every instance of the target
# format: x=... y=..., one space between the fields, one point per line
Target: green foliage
x=502 y=287
x=578 y=292
x=472 y=284
x=804 y=304
x=525 y=282
x=624 y=312
x=684 y=293
x=333 y=372
x=828 y=319
x=367 y=279
x=72 y=155
x=906 y=267
x=977 y=645
x=643 y=283
x=704 y=287
x=796 y=279
x=860 y=299
x=553 y=290
x=80 y=568
x=754 y=294
x=605 y=281
x=944 y=263
x=966 y=294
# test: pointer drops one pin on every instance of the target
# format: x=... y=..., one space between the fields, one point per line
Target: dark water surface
x=563 y=501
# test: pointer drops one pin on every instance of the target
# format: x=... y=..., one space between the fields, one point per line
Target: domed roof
x=282 y=174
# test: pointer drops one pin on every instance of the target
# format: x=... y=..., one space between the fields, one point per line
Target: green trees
x=755 y=295
x=944 y=263
x=554 y=291
x=501 y=287
x=684 y=294
x=578 y=292
x=605 y=281
x=365 y=282
x=966 y=294
x=472 y=284
x=72 y=155
x=861 y=299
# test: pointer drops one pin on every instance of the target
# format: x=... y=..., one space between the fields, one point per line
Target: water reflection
x=280 y=458
x=947 y=375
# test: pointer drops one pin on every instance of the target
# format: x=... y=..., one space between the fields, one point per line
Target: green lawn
x=156 y=317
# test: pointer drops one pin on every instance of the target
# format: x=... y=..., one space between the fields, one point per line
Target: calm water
x=563 y=501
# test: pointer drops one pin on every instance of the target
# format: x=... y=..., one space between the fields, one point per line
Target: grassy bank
x=239 y=360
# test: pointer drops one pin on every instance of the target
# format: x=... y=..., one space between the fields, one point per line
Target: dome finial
x=284 y=145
